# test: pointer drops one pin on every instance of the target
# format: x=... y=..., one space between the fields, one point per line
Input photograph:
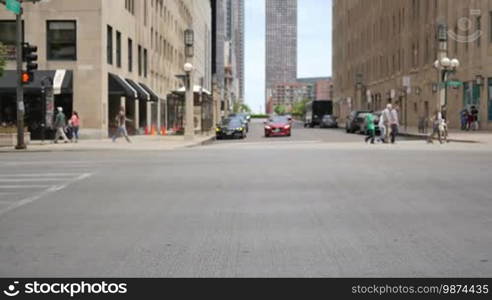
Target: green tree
x=3 y=53
x=241 y=107
x=299 y=108
x=279 y=109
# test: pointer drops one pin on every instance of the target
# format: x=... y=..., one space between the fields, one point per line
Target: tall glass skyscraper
x=281 y=43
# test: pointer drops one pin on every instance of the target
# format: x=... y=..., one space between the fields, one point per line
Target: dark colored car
x=328 y=121
x=377 y=116
x=231 y=128
x=355 y=121
x=278 y=126
x=243 y=119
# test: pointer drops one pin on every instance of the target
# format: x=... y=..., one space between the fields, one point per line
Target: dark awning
x=142 y=94
x=153 y=96
x=117 y=86
x=8 y=82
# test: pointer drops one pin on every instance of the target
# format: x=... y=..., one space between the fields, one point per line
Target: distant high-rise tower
x=281 y=43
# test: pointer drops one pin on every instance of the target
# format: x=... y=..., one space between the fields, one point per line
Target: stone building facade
x=117 y=53
x=384 y=51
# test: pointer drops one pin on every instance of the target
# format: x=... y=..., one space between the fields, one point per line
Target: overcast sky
x=314 y=45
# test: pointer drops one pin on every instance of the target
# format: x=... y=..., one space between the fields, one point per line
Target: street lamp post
x=189 y=40
x=445 y=66
x=189 y=117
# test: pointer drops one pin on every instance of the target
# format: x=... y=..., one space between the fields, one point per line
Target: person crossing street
x=121 y=123
x=60 y=125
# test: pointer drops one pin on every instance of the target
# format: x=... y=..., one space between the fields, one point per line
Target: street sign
x=14 y=6
x=452 y=83
x=455 y=83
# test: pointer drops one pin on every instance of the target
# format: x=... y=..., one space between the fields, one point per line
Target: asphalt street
x=319 y=204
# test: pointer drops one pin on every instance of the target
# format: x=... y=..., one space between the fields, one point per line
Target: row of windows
x=142 y=53
x=61 y=38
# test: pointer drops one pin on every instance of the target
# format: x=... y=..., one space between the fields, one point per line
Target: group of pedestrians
x=469 y=118
x=389 y=125
x=63 y=127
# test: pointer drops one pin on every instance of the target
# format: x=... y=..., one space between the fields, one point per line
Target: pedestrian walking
x=60 y=126
x=75 y=126
x=474 y=118
x=394 y=123
x=382 y=129
x=464 y=118
x=437 y=127
x=121 y=123
x=371 y=128
x=386 y=116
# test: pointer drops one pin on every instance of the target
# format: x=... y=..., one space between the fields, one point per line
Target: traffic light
x=26 y=77
x=29 y=56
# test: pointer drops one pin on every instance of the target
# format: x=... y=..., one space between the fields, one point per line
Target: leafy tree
x=279 y=109
x=299 y=108
x=3 y=53
x=241 y=107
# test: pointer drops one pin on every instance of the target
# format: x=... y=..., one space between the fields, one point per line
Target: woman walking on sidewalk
x=75 y=125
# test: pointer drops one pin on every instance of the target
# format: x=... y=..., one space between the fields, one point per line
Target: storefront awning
x=153 y=95
x=8 y=82
x=117 y=86
x=142 y=94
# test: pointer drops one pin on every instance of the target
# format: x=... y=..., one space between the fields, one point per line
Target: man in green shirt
x=371 y=128
x=60 y=123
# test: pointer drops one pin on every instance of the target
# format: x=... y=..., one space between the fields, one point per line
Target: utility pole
x=21 y=145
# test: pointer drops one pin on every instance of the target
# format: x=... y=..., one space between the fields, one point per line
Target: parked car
x=328 y=121
x=355 y=121
x=377 y=116
x=278 y=126
x=243 y=119
x=231 y=128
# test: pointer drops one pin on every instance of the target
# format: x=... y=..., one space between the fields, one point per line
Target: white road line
x=27 y=175
x=24 y=186
x=18 y=180
x=32 y=199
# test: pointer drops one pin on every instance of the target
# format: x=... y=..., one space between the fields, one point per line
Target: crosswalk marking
x=11 y=187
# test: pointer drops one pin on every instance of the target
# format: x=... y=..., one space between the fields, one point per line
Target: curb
x=424 y=137
x=205 y=142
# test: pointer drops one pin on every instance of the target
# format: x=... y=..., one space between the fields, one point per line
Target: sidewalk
x=139 y=143
x=483 y=137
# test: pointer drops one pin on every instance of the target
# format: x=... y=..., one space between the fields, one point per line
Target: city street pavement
x=321 y=203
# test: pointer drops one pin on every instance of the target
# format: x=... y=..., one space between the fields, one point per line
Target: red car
x=278 y=126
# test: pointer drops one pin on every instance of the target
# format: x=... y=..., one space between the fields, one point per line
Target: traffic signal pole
x=21 y=145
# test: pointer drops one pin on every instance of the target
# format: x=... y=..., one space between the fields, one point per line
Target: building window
x=109 y=45
x=490 y=26
x=118 y=49
x=8 y=32
x=145 y=63
x=130 y=6
x=479 y=28
x=130 y=55
x=490 y=100
x=62 y=40
x=139 y=60
x=145 y=13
